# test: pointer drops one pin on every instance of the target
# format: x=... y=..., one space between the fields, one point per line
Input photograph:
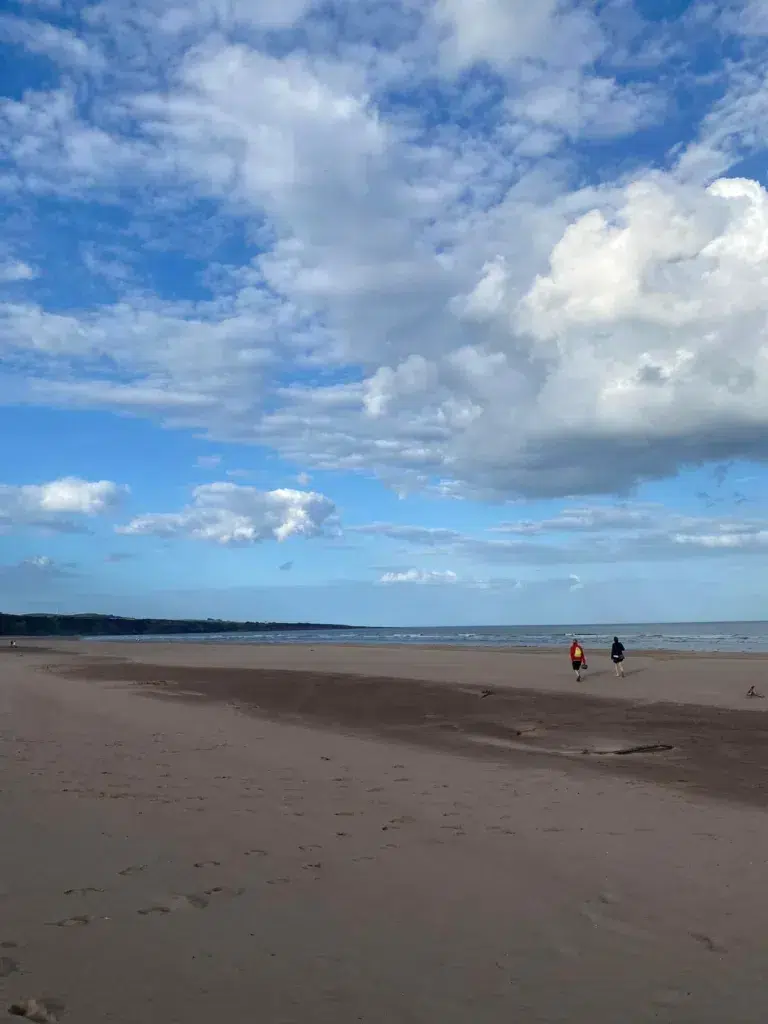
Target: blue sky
x=383 y=311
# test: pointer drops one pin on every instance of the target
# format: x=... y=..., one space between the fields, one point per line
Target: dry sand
x=293 y=836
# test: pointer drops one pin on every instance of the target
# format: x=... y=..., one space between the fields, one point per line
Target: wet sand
x=288 y=835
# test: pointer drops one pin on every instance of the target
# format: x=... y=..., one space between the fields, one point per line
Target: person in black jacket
x=617 y=657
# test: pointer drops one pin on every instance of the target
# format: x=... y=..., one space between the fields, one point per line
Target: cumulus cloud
x=420 y=576
x=454 y=289
x=228 y=514
x=71 y=494
x=16 y=270
x=52 y=505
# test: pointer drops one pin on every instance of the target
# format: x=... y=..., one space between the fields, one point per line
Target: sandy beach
x=339 y=834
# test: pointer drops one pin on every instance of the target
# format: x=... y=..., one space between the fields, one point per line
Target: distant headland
x=116 y=625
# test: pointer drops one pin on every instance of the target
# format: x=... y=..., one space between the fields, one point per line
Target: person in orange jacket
x=578 y=659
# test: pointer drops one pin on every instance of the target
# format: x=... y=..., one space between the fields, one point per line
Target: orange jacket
x=577 y=652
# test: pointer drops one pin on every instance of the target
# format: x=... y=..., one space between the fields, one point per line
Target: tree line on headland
x=116 y=625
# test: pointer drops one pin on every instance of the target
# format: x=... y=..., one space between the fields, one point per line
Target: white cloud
x=226 y=513
x=70 y=494
x=503 y=32
x=421 y=576
x=590 y=519
x=745 y=17
x=208 y=461
x=577 y=105
x=586 y=535
x=16 y=270
x=231 y=14
x=51 y=505
x=754 y=540
x=50 y=146
x=41 y=38
x=426 y=535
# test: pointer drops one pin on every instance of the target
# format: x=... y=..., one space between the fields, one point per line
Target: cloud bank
x=432 y=252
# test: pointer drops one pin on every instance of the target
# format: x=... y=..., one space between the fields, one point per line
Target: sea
x=667 y=636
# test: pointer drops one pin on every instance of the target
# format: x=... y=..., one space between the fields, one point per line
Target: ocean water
x=669 y=636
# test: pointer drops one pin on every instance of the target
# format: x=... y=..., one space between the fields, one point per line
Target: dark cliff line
x=115 y=625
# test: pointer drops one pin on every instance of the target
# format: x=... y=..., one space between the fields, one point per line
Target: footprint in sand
x=134 y=869
x=709 y=943
x=43 y=1011
x=81 y=892
x=193 y=900
x=225 y=891
x=208 y=864
x=72 y=922
x=197 y=902
x=256 y=853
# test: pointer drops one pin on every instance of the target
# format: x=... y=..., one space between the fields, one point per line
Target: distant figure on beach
x=617 y=657
x=578 y=659
x=13 y=643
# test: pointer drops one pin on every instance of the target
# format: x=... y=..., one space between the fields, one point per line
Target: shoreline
x=659 y=653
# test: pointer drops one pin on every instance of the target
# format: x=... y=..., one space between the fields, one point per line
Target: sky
x=385 y=312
